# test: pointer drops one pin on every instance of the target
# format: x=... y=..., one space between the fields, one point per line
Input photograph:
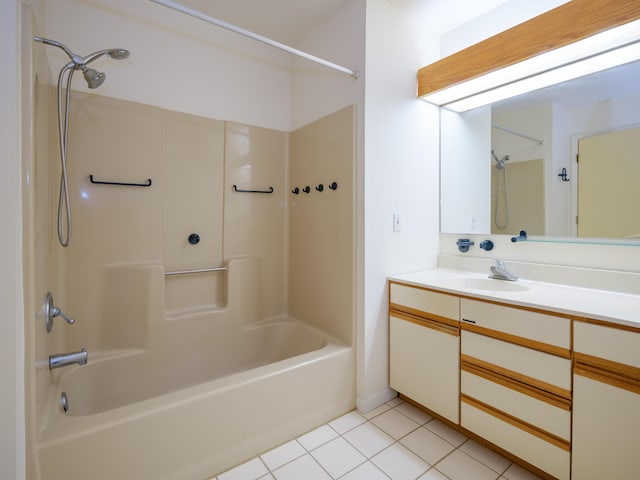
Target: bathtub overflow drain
x=64 y=402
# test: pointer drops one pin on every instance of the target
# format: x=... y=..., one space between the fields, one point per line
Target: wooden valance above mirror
x=573 y=21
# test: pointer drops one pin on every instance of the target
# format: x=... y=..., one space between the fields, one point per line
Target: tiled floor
x=395 y=441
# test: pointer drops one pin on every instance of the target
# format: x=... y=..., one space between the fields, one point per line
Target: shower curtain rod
x=247 y=33
x=518 y=134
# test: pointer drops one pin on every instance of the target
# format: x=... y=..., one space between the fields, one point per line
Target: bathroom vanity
x=549 y=374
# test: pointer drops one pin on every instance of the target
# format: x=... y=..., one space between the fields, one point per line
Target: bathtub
x=205 y=402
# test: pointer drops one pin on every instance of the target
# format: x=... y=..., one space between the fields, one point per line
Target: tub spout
x=64 y=359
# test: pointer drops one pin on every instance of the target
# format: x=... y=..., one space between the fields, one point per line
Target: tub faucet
x=500 y=272
x=64 y=359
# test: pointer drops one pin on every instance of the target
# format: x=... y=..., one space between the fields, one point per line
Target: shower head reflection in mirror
x=501 y=195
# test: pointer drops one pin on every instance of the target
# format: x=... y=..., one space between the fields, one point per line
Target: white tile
x=366 y=471
x=338 y=457
x=427 y=445
x=283 y=454
x=433 y=474
x=250 y=470
x=375 y=412
x=369 y=439
x=395 y=402
x=490 y=458
x=516 y=472
x=347 y=422
x=414 y=413
x=449 y=434
x=304 y=467
x=317 y=437
x=266 y=477
x=394 y=423
x=460 y=466
x=399 y=463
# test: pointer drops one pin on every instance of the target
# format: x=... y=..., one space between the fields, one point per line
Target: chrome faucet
x=64 y=359
x=500 y=272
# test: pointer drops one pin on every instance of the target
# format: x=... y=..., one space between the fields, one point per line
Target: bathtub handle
x=51 y=311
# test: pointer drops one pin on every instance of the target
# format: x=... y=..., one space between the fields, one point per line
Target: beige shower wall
x=192 y=203
x=121 y=235
x=114 y=141
x=255 y=222
x=322 y=224
x=119 y=231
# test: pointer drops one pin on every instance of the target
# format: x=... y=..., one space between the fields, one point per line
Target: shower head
x=115 y=53
x=94 y=80
x=118 y=53
x=93 y=77
x=499 y=162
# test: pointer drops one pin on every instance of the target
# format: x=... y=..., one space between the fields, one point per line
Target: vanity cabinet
x=424 y=347
x=606 y=389
x=558 y=391
x=516 y=382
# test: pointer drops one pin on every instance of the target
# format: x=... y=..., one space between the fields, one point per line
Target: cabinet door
x=606 y=402
x=425 y=364
x=606 y=431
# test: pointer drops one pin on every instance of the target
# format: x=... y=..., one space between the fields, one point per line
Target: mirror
x=532 y=181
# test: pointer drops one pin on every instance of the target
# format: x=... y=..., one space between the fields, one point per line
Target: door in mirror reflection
x=608 y=189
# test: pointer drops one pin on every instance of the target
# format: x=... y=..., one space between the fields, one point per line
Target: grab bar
x=197 y=270
x=239 y=190
x=122 y=184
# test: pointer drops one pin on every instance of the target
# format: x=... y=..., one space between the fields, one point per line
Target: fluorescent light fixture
x=562 y=74
x=601 y=51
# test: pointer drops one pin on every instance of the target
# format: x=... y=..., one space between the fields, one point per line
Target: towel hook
x=563 y=175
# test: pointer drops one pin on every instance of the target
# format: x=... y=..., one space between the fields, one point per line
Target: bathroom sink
x=489 y=284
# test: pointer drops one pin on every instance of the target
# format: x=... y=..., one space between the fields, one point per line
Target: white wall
x=610 y=115
x=505 y=15
x=558 y=193
x=318 y=91
x=400 y=176
x=401 y=166
x=466 y=205
x=177 y=62
x=12 y=428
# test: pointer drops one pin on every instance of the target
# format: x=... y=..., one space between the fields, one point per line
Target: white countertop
x=621 y=308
